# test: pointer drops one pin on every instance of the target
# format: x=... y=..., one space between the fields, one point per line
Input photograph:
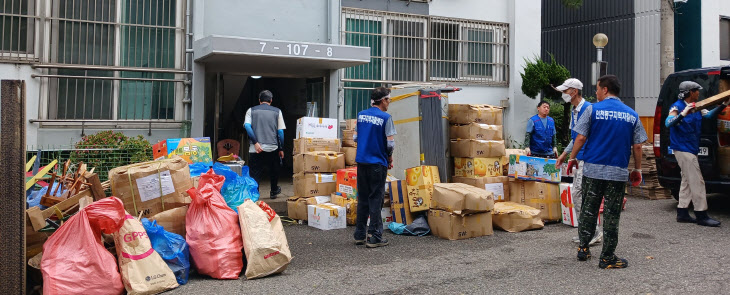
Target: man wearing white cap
x=572 y=93
x=685 y=128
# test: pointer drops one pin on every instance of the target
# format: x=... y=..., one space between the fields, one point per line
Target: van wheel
x=675 y=194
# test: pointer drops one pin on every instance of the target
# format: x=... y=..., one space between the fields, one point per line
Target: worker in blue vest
x=685 y=128
x=572 y=93
x=374 y=133
x=609 y=130
x=541 y=136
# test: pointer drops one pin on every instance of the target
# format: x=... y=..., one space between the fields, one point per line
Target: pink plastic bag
x=74 y=260
x=212 y=230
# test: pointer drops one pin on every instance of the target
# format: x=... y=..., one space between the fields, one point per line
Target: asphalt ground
x=665 y=257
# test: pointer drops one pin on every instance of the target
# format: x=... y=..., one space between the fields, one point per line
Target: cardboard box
x=308 y=144
x=570 y=217
x=144 y=187
x=476 y=131
x=399 y=202
x=314 y=184
x=296 y=207
x=350 y=207
x=347 y=182
x=350 y=124
x=193 y=150
x=505 y=158
x=419 y=182
x=499 y=185
x=533 y=168
x=172 y=220
x=350 y=155
x=317 y=128
x=479 y=167
x=348 y=138
x=326 y=216
x=540 y=195
x=472 y=148
x=451 y=226
x=461 y=198
x=475 y=113
x=513 y=217
x=319 y=162
x=386 y=215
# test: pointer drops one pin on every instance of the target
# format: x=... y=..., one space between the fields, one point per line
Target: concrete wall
x=712 y=10
x=524 y=31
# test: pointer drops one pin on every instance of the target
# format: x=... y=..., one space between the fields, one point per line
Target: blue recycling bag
x=237 y=189
x=34 y=199
x=172 y=248
x=419 y=227
x=198 y=168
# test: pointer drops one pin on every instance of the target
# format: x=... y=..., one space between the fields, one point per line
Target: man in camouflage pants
x=609 y=129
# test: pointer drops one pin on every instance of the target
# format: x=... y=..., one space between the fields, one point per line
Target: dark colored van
x=667 y=167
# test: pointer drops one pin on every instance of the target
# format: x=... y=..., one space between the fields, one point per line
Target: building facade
x=176 y=68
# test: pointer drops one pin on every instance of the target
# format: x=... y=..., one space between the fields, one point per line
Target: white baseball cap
x=570 y=83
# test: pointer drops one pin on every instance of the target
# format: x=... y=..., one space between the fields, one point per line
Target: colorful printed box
x=193 y=150
x=533 y=168
x=419 y=183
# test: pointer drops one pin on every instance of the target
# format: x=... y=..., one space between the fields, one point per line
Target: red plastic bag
x=75 y=261
x=212 y=230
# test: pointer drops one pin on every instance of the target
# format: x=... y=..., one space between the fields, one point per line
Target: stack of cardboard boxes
x=477 y=145
x=317 y=158
x=535 y=182
x=460 y=211
x=349 y=146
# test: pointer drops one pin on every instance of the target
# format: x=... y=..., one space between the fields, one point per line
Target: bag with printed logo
x=74 y=259
x=264 y=241
x=212 y=230
x=143 y=270
x=172 y=248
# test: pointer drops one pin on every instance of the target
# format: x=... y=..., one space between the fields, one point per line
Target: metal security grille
x=407 y=48
x=18 y=20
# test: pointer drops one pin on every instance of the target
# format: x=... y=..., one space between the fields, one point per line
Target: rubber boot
x=684 y=217
x=704 y=220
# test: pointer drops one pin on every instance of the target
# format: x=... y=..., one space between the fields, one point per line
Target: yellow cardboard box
x=479 y=167
x=419 y=183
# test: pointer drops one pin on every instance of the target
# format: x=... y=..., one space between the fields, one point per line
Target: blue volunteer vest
x=574 y=134
x=611 y=135
x=371 y=139
x=541 y=139
x=685 y=136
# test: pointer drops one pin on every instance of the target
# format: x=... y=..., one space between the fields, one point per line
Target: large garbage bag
x=419 y=227
x=237 y=189
x=264 y=241
x=74 y=259
x=172 y=248
x=143 y=270
x=212 y=230
x=196 y=169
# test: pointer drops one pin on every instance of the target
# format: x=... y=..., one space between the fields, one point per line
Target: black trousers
x=266 y=161
x=370 y=195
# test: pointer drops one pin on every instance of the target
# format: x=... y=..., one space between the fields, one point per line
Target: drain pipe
x=187 y=97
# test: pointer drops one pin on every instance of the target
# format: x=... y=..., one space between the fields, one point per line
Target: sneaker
x=374 y=243
x=359 y=242
x=584 y=254
x=613 y=262
x=576 y=240
x=275 y=192
x=597 y=238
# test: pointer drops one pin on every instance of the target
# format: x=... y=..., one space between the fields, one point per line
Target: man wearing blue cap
x=685 y=127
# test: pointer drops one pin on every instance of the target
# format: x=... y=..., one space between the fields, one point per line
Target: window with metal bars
x=408 y=48
x=18 y=21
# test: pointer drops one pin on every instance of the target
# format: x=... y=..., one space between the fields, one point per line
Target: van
x=713 y=80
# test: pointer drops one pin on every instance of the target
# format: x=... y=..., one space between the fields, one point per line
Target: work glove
x=635 y=177
x=555 y=152
x=687 y=109
x=571 y=164
x=527 y=151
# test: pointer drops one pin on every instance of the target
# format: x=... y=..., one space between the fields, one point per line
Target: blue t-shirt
x=373 y=128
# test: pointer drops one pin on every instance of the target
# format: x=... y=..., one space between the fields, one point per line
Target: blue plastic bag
x=198 y=168
x=34 y=199
x=172 y=247
x=237 y=189
x=419 y=227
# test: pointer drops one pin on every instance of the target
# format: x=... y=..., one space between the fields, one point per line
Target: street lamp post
x=599 y=66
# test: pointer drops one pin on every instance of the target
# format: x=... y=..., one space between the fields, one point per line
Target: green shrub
x=108 y=149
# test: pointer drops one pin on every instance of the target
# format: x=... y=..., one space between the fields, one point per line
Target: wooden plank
x=712 y=101
x=35 y=216
x=97 y=190
x=40 y=175
x=30 y=164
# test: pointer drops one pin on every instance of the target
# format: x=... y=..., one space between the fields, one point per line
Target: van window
x=725 y=38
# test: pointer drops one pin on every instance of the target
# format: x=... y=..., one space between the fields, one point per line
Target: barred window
x=18 y=20
x=408 y=48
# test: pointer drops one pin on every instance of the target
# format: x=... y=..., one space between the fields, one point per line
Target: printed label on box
x=150 y=186
x=346 y=189
x=497 y=189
